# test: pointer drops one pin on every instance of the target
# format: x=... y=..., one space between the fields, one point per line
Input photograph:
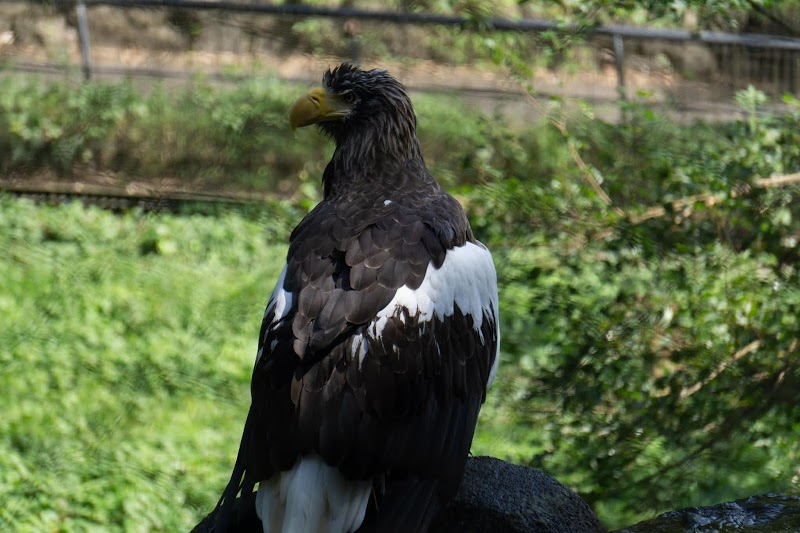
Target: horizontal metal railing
x=767 y=61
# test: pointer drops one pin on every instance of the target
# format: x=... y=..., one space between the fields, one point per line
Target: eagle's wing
x=376 y=347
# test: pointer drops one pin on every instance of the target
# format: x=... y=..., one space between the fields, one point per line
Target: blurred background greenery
x=648 y=272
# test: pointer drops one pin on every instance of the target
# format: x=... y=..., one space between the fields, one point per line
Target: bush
x=127 y=347
x=649 y=361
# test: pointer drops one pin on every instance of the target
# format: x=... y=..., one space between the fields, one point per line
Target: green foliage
x=650 y=362
x=58 y=125
x=198 y=134
x=201 y=136
x=205 y=137
x=127 y=346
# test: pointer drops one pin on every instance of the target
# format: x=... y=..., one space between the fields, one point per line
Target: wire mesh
x=687 y=77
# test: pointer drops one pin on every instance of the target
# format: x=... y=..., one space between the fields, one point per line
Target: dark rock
x=773 y=513
x=496 y=497
x=500 y=497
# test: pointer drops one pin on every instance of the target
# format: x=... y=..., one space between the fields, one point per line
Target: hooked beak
x=316 y=106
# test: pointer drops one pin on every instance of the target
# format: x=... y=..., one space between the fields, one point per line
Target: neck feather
x=368 y=155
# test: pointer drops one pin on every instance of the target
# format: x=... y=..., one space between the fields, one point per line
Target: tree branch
x=561 y=125
x=761 y=10
x=685 y=393
x=709 y=199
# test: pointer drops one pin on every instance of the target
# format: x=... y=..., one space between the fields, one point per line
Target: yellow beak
x=316 y=106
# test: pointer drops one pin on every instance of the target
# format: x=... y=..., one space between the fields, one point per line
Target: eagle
x=380 y=339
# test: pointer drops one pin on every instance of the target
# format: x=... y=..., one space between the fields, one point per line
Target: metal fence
x=224 y=40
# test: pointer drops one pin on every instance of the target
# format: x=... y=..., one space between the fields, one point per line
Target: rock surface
x=500 y=497
x=496 y=497
x=773 y=513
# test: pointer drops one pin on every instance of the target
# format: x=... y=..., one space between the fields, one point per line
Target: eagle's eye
x=349 y=97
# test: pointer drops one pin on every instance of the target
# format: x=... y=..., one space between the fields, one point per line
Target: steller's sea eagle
x=379 y=340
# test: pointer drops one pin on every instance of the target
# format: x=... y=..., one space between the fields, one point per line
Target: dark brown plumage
x=387 y=394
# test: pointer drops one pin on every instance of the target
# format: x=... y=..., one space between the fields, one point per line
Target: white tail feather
x=312 y=497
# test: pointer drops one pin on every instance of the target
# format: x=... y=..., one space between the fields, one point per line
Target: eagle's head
x=369 y=116
x=370 y=102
